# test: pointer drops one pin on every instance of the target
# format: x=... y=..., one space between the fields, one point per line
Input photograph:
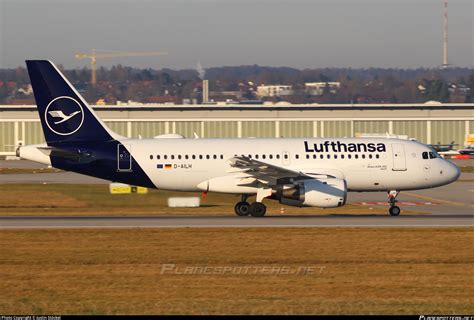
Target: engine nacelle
x=323 y=193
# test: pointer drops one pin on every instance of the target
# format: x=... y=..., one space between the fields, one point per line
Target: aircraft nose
x=452 y=172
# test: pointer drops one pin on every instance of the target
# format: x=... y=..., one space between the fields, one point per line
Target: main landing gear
x=243 y=208
x=392 y=199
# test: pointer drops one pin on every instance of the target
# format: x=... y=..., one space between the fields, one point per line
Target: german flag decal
x=167 y=166
x=164 y=166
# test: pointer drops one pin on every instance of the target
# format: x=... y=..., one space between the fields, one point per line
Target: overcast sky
x=295 y=33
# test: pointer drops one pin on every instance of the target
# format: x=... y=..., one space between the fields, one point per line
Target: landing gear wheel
x=394 y=211
x=392 y=200
x=242 y=209
x=257 y=209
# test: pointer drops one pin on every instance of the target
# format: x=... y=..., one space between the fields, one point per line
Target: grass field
x=60 y=199
x=388 y=271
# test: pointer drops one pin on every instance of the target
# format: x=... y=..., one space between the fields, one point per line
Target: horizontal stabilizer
x=78 y=155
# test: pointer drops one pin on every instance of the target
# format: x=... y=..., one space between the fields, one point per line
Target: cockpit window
x=430 y=155
x=434 y=154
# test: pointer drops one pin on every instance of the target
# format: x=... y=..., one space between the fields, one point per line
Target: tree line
x=372 y=85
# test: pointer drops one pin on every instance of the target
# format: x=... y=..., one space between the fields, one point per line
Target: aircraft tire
x=394 y=211
x=257 y=209
x=242 y=209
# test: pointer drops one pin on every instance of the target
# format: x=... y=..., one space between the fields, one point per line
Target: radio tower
x=445 y=36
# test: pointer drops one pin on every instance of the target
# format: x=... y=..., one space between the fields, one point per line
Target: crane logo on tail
x=64 y=115
x=60 y=114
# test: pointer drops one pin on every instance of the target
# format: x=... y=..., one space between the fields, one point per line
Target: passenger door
x=398 y=155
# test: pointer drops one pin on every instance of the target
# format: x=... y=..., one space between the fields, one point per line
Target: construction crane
x=94 y=55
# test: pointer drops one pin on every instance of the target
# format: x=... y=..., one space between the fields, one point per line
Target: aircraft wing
x=257 y=171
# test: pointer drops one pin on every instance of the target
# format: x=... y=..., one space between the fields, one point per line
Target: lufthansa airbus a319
x=297 y=172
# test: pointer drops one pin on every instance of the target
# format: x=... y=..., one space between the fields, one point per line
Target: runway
x=455 y=198
x=448 y=206
x=328 y=221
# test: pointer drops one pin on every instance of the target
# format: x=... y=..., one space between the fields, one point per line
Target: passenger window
x=256 y=156
x=172 y=157
x=356 y=156
x=370 y=156
x=314 y=156
x=271 y=156
x=329 y=156
x=349 y=156
x=165 y=157
x=263 y=156
x=186 y=157
x=377 y=156
x=158 y=157
x=194 y=156
x=297 y=156
x=278 y=156
x=307 y=156
x=207 y=156
x=200 y=156
x=342 y=156
x=321 y=156
x=286 y=156
x=151 y=157
x=363 y=156
x=179 y=157
x=222 y=156
x=425 y=155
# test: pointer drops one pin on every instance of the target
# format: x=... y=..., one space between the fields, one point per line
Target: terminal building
x=427 y=123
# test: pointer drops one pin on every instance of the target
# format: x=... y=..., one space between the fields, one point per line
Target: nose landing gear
x=392 y=200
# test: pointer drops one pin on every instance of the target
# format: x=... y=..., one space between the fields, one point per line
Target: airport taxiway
x=450 y=205
x=366 y=221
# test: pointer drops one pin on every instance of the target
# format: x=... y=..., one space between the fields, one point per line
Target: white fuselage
x=203 y=164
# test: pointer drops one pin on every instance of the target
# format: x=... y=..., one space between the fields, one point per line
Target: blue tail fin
x=65 y=115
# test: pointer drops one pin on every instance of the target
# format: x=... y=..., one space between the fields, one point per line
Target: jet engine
x=323 y=193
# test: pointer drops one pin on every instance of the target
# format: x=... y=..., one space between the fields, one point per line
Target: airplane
x=439 y=147
x=309 y=172
x=466 y=151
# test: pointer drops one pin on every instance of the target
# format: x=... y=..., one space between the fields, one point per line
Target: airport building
x=428 y=123
x=274 y=90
